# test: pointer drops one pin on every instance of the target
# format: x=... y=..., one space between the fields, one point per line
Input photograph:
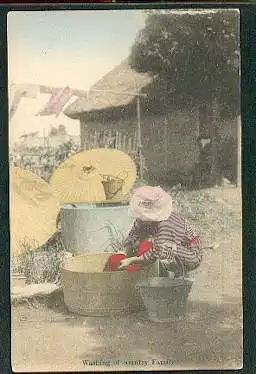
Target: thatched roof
x=120 y=80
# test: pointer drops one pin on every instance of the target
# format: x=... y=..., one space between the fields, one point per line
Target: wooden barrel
x=90 y=291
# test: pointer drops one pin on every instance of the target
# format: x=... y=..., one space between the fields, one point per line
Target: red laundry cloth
x=114 y=260
x=56 y=103
x=145 y=246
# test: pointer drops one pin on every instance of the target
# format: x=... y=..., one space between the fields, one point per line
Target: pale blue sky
x=74 y=48
x=59 y=33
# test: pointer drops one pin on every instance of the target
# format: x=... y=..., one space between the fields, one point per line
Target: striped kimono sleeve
x=169 y=247
x=162 y=245
x=190 y=232
x=190 y=254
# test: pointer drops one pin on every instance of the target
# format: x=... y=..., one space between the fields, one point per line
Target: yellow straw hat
x=33 y=211
x=79 y=178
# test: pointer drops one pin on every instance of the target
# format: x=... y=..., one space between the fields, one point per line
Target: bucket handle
x=119 y=176
x=178 y=262
x=181 y=265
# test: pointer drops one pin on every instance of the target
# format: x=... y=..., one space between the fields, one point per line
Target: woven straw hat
x=150 y=204
x=79 y=178
x=33 y=211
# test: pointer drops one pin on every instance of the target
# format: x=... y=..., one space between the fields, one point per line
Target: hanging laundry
x=65 y=97
x=26 y=89
x=15 y=102
x=30 y=90
x=18 y=91
x=58 y=100
x=11 y=92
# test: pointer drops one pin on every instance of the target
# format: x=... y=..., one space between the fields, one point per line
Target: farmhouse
x=169 y=127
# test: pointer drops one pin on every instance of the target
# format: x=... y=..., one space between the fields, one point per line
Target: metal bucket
x=94 y=227
x=113 y=188
x=90 y=291
x=165 y=301
x=113 y=185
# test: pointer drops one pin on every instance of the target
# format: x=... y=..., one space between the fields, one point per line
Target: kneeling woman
x=174 y=242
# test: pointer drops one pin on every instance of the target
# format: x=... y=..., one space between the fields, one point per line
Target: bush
x=42 y=265
x=210 y=218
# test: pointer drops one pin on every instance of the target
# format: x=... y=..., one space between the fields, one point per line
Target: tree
x=53 y=131
x=60 y=130
x=196 y=54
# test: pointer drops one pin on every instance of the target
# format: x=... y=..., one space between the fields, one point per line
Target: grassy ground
x=210 y=337
x=214 y=212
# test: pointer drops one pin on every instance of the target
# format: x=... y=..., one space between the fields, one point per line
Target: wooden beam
x=239 y=150
x=119 y=93
x=139 y=137
x=166 y=142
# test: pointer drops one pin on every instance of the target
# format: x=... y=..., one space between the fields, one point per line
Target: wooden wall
x=169 y=142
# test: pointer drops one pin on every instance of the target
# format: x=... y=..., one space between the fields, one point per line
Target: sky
x=64 y=48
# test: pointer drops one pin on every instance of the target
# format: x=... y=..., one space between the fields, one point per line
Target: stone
x=34 y=290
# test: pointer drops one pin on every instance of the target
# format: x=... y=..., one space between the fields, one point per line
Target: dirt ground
x=209 y=337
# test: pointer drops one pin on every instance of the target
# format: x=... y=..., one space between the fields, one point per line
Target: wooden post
x=95 y=139
x=216 y=175
x=124 y=143
x=129 y=145
x=239 y=150
x=166 y=143
x=134 y=143
x=116 y=140
x=139 y=137
x=109 y=137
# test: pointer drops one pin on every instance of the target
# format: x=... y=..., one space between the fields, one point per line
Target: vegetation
x=212 y=219
x=41 y=265
x=116 y=238
x=42 y=160
x=194 y=55
x=194 y=59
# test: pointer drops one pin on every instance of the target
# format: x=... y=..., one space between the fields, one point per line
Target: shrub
x=42 y=265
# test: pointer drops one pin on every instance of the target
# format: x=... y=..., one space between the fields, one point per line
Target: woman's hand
x=132 y=260
x=125 y=263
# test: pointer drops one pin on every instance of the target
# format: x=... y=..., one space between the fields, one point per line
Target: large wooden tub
x=90 y=291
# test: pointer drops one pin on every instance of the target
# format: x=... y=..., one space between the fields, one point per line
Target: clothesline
x=59 y=96
x=84 y=93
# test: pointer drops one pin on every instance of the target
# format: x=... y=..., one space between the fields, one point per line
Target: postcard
x=125 y=190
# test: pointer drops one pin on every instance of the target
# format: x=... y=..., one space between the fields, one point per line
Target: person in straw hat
x=174 y=242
